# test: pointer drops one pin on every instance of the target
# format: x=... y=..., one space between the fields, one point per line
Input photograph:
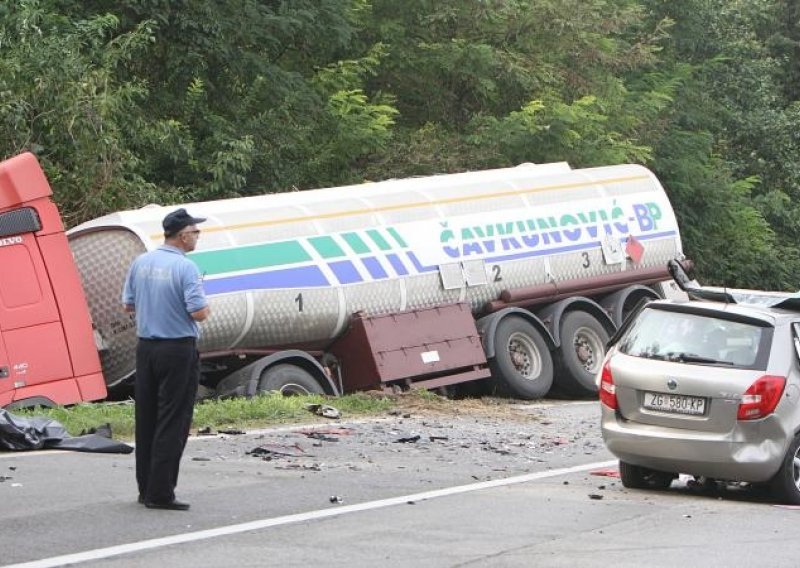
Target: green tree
x=487 y=84
x=731 y=124
x=236 y=102
x=60 y=97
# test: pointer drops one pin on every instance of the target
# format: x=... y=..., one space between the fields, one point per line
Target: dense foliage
x=136 y=101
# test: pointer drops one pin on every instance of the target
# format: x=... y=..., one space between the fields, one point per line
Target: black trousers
x=167 y=375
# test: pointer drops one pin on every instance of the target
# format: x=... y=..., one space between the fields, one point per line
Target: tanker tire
x=522 y=366
x=583 y=347
x=289 y=380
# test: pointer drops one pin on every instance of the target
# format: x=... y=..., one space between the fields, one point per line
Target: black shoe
x=173 y=505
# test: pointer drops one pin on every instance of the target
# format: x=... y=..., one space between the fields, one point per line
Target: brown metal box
x=425 y=348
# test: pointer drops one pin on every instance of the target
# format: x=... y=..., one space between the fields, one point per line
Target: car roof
x=768 y=313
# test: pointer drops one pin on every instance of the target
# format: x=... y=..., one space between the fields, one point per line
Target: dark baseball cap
x=178 y=220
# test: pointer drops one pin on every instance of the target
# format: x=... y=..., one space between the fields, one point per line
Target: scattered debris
x=595 y=496
x=323 y=410
x=5 y=478
x=201 y=459
x=503 y=451
x=435 y=438
x=322 y=437
x=231 y=431
x=303 y=466
x=408 y=439
x=328 y=431
x=336 y=499
x=609 y=472
x=268 y=451
x=205 y=431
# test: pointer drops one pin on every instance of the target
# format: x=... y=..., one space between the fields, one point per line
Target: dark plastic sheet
x=37 y=433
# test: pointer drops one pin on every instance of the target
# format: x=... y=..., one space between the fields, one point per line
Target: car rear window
x=696 y=339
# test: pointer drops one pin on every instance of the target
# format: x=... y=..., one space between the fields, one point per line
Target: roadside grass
x=260 y=411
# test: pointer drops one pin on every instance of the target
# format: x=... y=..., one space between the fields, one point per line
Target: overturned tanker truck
x=510 y=279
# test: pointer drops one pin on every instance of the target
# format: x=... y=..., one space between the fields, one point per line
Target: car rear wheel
x=638 y=477
x=785 y=486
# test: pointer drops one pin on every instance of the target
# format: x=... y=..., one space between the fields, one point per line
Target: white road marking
x=101 y=553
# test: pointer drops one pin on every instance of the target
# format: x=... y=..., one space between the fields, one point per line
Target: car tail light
x=608 y=392
x=761 y=398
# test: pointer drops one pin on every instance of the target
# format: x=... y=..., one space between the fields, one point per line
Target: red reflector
x=608 y=392
x=634 y=249
x=761 y=398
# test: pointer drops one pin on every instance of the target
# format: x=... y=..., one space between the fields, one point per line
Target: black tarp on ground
x=36 y=433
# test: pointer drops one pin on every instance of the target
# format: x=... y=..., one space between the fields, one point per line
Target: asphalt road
x=530 y=488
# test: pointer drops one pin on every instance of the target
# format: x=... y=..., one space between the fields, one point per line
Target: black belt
x=186 y=340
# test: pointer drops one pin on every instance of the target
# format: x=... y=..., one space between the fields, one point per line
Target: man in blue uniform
x=165 y=291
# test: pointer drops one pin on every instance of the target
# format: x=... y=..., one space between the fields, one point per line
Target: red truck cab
x=48 y=353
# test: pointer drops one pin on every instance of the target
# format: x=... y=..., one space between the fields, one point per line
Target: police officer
x=164 y=289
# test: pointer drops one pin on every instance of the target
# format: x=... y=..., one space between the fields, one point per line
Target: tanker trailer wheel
x=522 y=366
x=288 y=380
x=583 y=347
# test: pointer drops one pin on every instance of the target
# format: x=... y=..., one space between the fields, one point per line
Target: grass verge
x=241 y=413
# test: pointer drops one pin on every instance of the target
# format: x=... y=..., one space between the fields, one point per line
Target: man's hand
x=201 y=315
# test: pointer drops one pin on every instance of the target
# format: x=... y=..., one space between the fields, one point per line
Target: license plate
x=677 y=403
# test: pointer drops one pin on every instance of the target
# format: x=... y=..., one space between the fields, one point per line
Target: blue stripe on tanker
x=421 y=268
x=299 y=277
x=346 y=272
x=397 y=264
x=374 y=267
x=569 y=248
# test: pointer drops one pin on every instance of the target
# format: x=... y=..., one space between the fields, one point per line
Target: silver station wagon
x=709 y=389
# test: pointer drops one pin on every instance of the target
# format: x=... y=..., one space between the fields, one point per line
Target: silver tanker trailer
x=514 y=277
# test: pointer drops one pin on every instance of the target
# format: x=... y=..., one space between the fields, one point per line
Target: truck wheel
x=288 y=380
x=583 y=346
x=785 y=486
x=637 y=477
x=522 y=366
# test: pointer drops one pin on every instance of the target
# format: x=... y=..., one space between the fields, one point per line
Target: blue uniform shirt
x=164 y=287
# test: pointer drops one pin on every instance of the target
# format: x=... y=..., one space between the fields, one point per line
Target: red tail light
x=761 y=398
x=608 y=392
